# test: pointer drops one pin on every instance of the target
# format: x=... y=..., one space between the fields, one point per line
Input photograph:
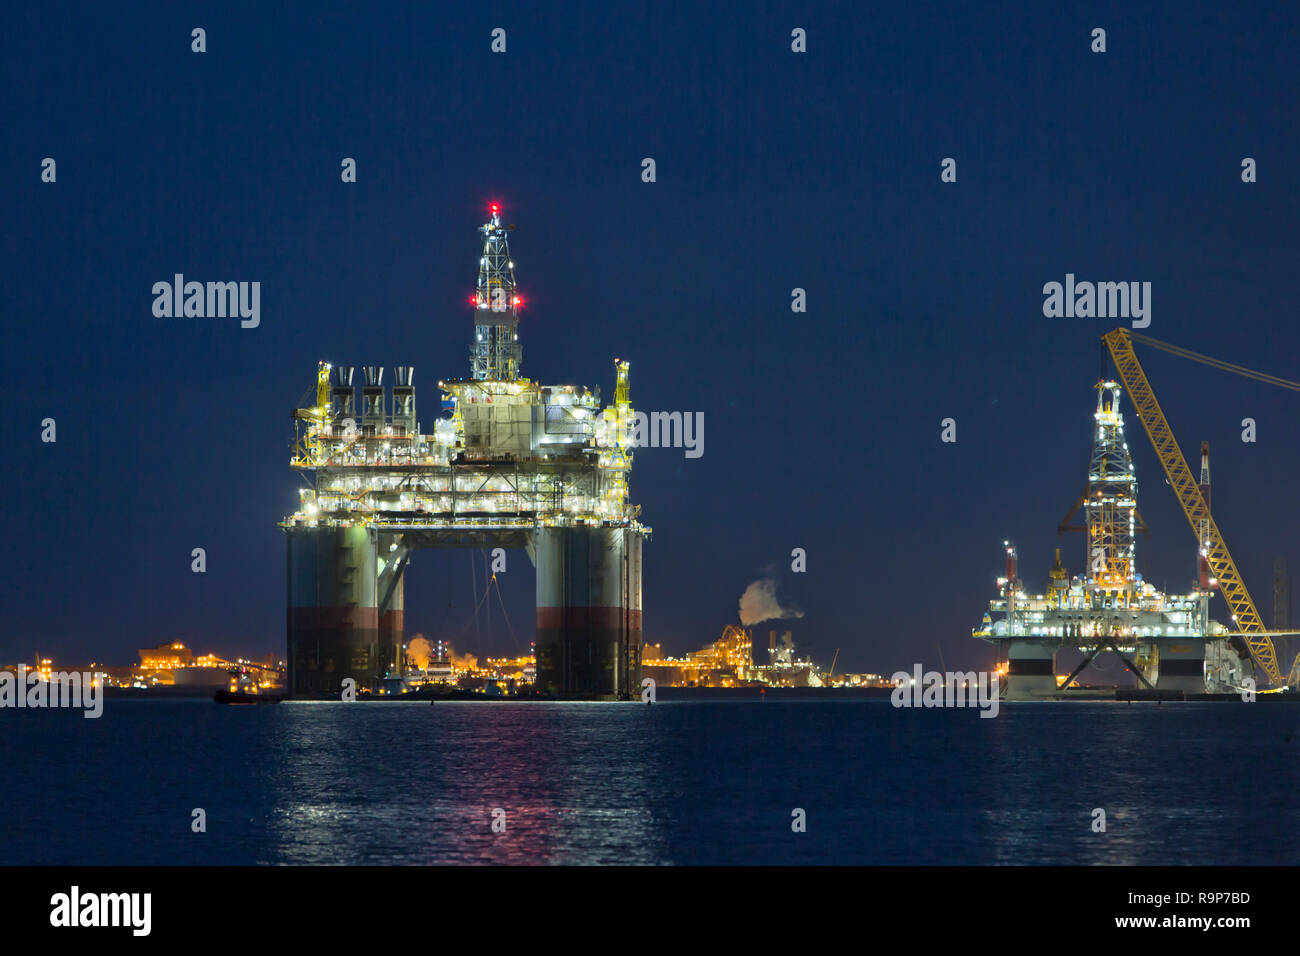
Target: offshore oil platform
x=510 y=463
x=1169 y=641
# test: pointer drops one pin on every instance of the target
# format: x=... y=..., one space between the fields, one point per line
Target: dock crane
x=1248 y=623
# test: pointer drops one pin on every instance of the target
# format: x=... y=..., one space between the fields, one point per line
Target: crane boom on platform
x=1244 y=614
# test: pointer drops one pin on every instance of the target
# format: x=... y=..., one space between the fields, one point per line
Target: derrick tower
x=1110 y=504
x=496 y=354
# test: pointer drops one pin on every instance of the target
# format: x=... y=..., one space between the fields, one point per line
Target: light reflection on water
x=676 y=783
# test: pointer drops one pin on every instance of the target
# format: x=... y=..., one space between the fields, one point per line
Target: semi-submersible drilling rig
x=510 y=463
x=1168 y=641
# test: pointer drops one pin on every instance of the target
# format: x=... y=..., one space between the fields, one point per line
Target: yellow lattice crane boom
x=1224 y=569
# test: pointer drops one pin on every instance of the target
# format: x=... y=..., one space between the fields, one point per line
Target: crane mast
x=1203 y=579
x=1221 y=566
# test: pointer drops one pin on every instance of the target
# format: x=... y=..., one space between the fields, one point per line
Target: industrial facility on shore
x=172 y=668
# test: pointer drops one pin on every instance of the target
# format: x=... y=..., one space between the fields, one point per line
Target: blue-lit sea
x=672 y=783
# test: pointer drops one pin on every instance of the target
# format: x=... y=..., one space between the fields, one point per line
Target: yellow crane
x=1244 y=615
x=307 y=451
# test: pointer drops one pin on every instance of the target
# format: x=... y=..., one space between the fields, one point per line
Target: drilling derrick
x=511 y=463
x=496 y=354
x=1110 y=505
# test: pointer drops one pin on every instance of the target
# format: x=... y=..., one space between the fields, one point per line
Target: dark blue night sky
x=775 y=170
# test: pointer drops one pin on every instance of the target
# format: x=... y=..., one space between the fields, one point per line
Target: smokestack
x=372 y=400
x=403 y=400
x=343 y=397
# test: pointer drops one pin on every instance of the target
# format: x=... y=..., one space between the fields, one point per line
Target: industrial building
x=508 y=463
x=172 y=665
x=729 y=662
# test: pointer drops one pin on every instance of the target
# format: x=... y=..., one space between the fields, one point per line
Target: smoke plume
x=759 y=604
x=419 y=651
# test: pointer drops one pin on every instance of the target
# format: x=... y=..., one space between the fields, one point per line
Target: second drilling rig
x=1168 y=641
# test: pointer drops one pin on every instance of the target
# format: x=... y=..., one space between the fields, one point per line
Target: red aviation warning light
x=494 y=208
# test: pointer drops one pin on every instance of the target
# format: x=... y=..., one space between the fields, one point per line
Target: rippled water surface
x=677 y=783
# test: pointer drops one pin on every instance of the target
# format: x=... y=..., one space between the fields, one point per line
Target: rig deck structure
x=509 y=463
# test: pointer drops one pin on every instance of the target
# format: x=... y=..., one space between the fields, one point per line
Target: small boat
x=239 y=697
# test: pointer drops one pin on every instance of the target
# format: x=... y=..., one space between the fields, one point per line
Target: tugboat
x=238 y=695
